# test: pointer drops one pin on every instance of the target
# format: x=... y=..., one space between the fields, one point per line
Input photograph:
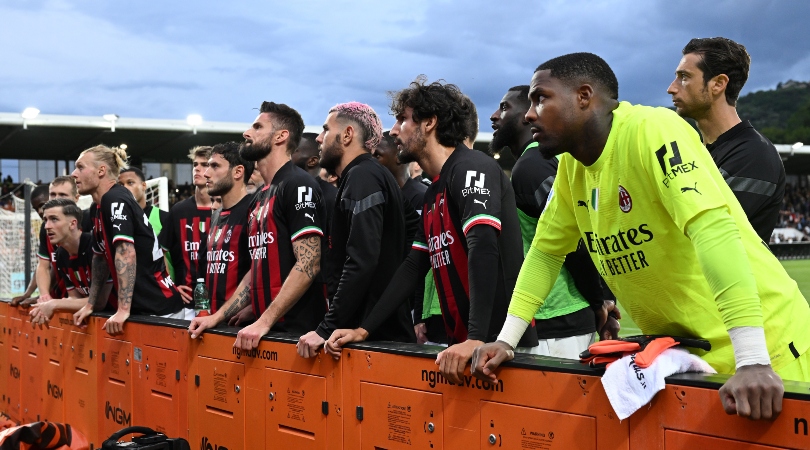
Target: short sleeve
x=301 y=200
x=121 y=218
x=477 y=192
x=557 y=230
x=679 y=167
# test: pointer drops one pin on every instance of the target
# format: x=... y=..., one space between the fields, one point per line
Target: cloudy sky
x=167 y=59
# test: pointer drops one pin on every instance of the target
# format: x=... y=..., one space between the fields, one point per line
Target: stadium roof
x=62 y=138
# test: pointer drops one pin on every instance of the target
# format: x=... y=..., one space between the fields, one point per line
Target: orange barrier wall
x=378 y=396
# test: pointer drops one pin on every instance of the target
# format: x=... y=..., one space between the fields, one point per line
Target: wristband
x=513 y=329
x=750 y=346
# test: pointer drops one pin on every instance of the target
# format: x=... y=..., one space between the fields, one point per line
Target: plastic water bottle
x=202 y=301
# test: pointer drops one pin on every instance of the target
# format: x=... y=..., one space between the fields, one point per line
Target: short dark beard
x=223 y=187
x=412 y=150
x=506 y=137
x=331 y=154
x=255 y=151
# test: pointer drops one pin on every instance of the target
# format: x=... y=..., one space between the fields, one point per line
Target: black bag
x=149 y=439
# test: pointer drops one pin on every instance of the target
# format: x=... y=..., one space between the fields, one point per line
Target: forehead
x=264 y=119
x=61 y=187
x=86 y=158
x=128 y=176
x=332 y=118
x=542 y=79
x=689 y=63
x=54 y=211
x=511 y=97
x=217 y=158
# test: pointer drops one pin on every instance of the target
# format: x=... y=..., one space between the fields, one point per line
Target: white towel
x=629 y=387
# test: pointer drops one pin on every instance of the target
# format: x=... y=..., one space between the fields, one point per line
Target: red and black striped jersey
x=471 y=190
x=76 y=269
x=47 y=252
x=287 y=208
x=118 y=218
x=227 y=254
x=184 y=236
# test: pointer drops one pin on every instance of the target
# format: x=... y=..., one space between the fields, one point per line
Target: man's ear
x=718 y=84
x=429 y=125
x=281 y=136
x=313 y=161
x=347 y=135
x=238 y=172
x=585 y=95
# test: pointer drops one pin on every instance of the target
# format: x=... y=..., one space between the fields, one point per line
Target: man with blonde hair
x=124 y=239
x=185 y=233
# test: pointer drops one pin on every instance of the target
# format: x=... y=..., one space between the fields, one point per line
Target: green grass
x=798 y=269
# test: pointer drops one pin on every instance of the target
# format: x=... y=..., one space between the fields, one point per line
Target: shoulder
x=184 y=205
x=365 y=177
x=533 y=165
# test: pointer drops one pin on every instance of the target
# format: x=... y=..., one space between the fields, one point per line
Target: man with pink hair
x=369 y=235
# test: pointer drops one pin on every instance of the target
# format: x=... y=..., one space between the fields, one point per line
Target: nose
x=395 y=130
x=206 y=174
x=246 y=134
x=672 y=89
x=495 y=116
x=531 y=114
x=319 y=139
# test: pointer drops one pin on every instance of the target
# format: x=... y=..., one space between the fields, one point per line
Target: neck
x=401 y=175
x=201 y=196
x=720 y=118
x=315 y=171
x=594 y=135
x=232 y=197
x=434 y=157
x=142 y=202
x=349 y=155
x=104 y=186
x=269 y=165
x=519 y=144
x=71 y=244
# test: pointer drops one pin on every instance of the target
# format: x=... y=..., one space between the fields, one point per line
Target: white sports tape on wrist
x=513 y=329
x=749 y=346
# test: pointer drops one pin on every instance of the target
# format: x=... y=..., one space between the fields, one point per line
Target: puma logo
x=582 y=203
x=684 y=189
x=309 y=216
x=117 y=226
x=189 y=227
x=484 y=203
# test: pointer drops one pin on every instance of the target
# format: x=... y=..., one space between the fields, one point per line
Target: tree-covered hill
x=782 y=114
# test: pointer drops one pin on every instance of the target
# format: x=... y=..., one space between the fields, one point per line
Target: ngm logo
x=205 y=445
x=474 y=183
x=304 y=198
x=54 y=390
x=117 y=415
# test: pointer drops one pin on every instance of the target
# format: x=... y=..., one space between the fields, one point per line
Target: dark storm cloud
x=221 y=59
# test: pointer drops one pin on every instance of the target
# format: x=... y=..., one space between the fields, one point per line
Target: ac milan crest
x=625 y=202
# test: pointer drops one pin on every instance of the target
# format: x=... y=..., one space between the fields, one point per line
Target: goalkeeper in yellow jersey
x=664 y=230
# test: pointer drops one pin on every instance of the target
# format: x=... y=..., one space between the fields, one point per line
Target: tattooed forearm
x=99 y=273
x=125 y=264
x=308 y=255
x=239 y=301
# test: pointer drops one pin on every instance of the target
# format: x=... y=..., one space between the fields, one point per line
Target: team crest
x=202 y=226
x=625 y=202
x=228 y=236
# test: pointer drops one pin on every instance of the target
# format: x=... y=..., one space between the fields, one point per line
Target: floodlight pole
x=27 y=225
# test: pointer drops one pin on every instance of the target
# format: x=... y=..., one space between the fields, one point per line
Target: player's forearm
x=482 y=244
x=70 y=304
x=725 y=264
x=125 y=268
x=294 y=287
x=239 y=299
x=409 y=274
x=535 y=280
x=100 y=272
x=43 y=276
x=32 y=286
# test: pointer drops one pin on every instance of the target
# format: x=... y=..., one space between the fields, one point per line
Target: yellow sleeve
x=725 y=265
x=536 y=278
x=679 y=167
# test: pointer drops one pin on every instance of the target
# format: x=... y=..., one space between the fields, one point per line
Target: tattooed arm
x=99 y=273
x=307 y=250
x=125 y=264
x=239 y=300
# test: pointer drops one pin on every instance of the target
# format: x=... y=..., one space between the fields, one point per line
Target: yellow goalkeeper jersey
x=631 y=208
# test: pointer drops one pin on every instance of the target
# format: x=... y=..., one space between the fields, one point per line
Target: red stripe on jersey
x=165 y=283
x=263 y=223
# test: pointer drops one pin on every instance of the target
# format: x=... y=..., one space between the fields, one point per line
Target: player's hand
x=82 y=314
x=244 y=316
x=340 y=338
x=200 y=324
x=44 y=298
x=603 y=317
x=115 y=324
x=249 y=337
x=27 y=303
x=754 y=392
x=611 y=327
x=453 y=361
x=488 y=357
x=309 y=344
x=185 y=293
x=18 y=299
x=421 y=333
x=41 y=313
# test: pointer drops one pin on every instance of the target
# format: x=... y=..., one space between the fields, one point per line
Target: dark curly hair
x=230 y=152
x=719 y=55
x=285 y=118
x=583 y=67
x=437 y=99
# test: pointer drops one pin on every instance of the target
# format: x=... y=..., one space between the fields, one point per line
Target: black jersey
x=76 y=270
x=287 y=208
x=414 y=192
x=118 y=218
x=754 y=171
x=329 y=193
x=184 y=236
x=472 y=190
x=368 y=242
x=47 y=252
x=87 y=221
x=227 y=253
